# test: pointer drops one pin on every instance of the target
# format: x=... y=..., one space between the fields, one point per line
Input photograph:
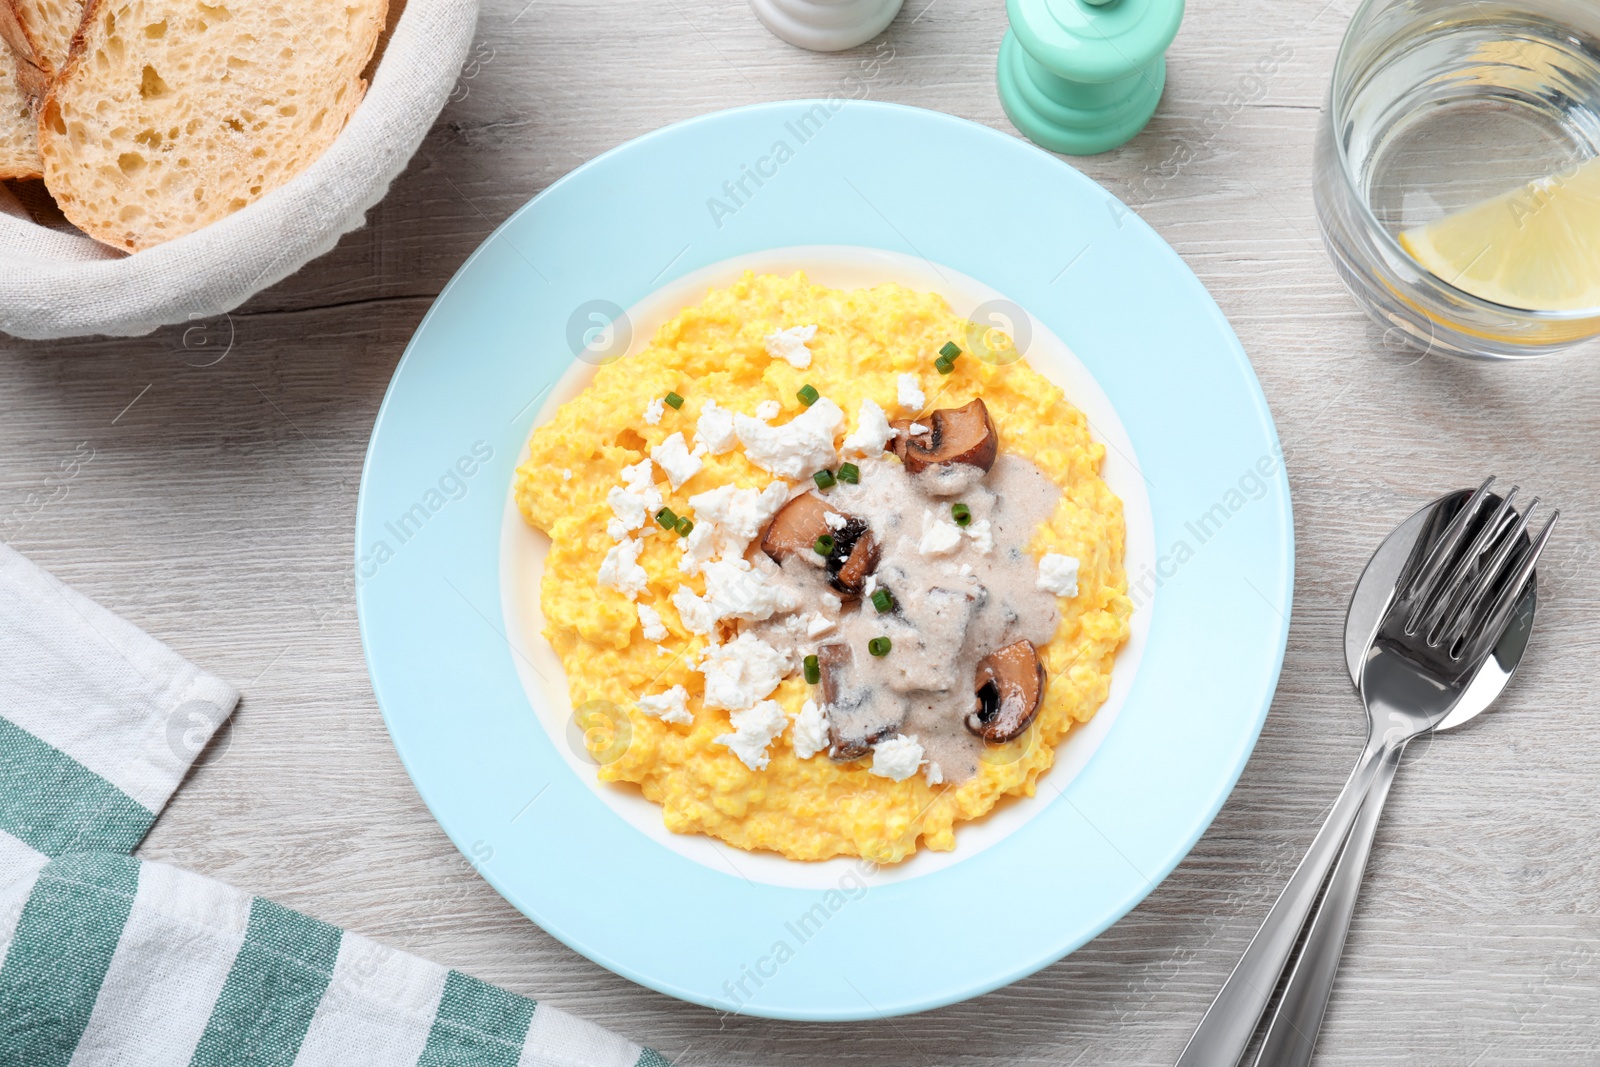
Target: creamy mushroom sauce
x=950 y=610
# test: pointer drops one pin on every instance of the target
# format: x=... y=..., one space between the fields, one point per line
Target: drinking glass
x=1440 y=106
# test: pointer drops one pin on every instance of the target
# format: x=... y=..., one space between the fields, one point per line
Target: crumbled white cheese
x=818 y=623
x=696 y=613
x=741 y=672
x=736 y=590
x=934 y=774
x=911 y=397
x=940 y=537
x=670 y=706
x=726 y=520
x=793 y=625
x=791 y=344
x=982 y=535
x=640 y=477
x=897 y=758
x=631 y=511
x=714 y=429
x=834 y=604
x=650 y=622
x=835 y=520
x=797 y=448
x=916 y=429
x=768 y=410
x=566 y=475
x=868 y=587
x=810 y=734
x=872 y=431
x=621 y=571
x=654 y=411
x=753 y=731
x=1058 y=574
x=966 y=569
x=699 y=546
x=632 y=502
x=737 y=515
x=672 y=456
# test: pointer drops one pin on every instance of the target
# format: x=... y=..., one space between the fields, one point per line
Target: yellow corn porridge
x=720 y=354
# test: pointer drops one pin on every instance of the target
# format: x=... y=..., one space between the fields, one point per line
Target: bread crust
x=12 y=40
x=34 y=69
x=33 y=75
x=56 y=157
x=9 y=173
x=91 y=9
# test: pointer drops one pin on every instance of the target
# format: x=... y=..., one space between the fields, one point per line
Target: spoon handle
x=1292 y=1035
x=1222 y=1036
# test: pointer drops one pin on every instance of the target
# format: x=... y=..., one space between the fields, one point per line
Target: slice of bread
x=40 y=33
x=172 y=114
x=35 y=36
x=19 y=133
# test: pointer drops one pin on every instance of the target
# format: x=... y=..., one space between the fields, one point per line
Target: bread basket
x=55 y=282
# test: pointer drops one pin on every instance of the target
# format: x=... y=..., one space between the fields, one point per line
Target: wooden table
x=217 y=513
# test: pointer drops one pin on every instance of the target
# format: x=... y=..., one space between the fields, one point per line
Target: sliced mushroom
x=844 y=749
x=798 y=524
x=796 y=527
x=834 y=663
x=854 y=556
x=1006 y=692
x=954 y=435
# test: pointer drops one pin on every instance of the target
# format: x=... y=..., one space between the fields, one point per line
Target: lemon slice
x=1537 y=248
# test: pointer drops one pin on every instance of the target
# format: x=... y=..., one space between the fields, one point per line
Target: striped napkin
x=107 y=959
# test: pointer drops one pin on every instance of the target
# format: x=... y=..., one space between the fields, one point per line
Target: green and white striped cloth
x=107 y=959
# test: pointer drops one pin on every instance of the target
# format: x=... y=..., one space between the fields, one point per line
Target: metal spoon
x=1223 y=1034
x=1292 y=1035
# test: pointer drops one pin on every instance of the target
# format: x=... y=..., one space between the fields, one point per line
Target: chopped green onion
x=950 y=350
x=667 y=519
x=882 y=600
x=943 y=365
x=684 y=526
x=849 y=472
x=823 y=545
x=808 y=395
x=879 y=646
x=824 y=479
x=961 y=513
x=674 y=401
x=813 y=670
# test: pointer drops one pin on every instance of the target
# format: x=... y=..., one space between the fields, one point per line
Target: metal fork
x=1499 y=561
x=1453 y=601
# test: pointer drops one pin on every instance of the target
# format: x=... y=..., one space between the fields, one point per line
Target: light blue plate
x=946 y=193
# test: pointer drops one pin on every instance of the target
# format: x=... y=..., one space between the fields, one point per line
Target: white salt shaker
x=826 y=25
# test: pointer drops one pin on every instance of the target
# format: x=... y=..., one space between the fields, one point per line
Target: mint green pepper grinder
x=1084 y=76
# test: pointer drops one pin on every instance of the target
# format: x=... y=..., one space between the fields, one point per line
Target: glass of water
x=1457 y=182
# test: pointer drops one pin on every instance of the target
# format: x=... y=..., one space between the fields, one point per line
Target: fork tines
x=1461 y=597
